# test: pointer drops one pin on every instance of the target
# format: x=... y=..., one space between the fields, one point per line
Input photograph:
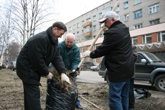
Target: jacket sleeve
x=76 y=59
x=109 y=42
x=36 y=54
x=58 y=62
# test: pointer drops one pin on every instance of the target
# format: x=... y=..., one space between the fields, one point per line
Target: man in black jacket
x=117 y=49
x=33 y=61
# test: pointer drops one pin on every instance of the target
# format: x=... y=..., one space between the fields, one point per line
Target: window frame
x=153 y=8
x=138 y=14
x=125 y=4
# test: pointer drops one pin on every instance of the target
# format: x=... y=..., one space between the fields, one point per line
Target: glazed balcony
x=87 y=24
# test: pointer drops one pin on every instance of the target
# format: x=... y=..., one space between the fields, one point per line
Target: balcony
x=87 y=24
x=87 y=34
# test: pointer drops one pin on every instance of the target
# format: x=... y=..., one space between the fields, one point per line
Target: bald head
x=69 y=40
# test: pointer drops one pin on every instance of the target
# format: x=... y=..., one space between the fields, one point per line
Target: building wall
x=87 y=33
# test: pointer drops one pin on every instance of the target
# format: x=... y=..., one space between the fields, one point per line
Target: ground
x=92 y=96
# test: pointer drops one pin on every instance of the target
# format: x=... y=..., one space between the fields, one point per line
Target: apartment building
x=144 y=18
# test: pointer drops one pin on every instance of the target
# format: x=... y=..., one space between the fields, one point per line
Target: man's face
x=108 y=22
x=69 y=41
x=57 y=33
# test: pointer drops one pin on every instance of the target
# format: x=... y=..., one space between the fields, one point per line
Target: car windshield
x=152 y=57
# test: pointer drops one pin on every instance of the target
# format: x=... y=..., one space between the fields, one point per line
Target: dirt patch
x=11 y=95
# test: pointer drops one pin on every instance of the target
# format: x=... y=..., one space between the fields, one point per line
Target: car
x=12 y=65
x=148 y=67
x=86 y=65
x=94 y=68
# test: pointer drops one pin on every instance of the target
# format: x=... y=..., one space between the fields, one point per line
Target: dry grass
x=11 y=95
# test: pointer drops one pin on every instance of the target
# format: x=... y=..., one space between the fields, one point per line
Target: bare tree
x=20 y=19
x=28 y=15
x=6 y=31
x=13 y=51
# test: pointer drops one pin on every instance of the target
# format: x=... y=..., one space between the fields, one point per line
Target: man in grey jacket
x=34 y=59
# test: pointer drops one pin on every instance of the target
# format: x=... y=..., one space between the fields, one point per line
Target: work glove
x=64 y=77
x=86 y=53
x=76 y=72
x=49 y=76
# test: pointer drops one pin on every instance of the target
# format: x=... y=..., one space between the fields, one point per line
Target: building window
x=134 y=40
x=94 y=28
x=78 y=33
x=126 y=17
x=138 y=14
x=125 y=4
x=83 y=31
x=137 y=1
x=137 y=26
x=73 y=26
x=88 y=19
x=94 y=18
x=161 y=36
x=78 y=25
x=154 y=8
x=70 y=28
x=82 y=22
x=117 y=8
x=154 y=22
x=107 y=9
x=100 y=15
x=147 y=39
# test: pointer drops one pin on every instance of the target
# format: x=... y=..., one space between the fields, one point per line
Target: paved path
x=90 y=77
x=94 y=77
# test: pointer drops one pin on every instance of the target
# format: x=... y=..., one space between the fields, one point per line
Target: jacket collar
x=114 y=24
x=50 y=35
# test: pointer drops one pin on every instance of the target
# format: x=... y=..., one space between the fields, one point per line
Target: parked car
x=12 y=65
x=86 y=65
x=148 y=67
x=94 y=68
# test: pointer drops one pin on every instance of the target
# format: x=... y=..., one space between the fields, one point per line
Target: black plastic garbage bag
x=57 y=99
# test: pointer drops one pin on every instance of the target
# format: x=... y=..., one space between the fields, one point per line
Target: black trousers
x=31 y=97
x=131 y=94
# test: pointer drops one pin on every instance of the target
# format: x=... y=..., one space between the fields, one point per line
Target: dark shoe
x=79 y=107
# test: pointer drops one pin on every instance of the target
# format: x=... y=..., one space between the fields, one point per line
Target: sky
x=70 y=9
x=67 y=10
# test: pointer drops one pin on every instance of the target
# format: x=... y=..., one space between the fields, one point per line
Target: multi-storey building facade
x=144 y=18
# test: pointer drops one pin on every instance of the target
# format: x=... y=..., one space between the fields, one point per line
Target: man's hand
x=49 y=76
x=76 y=72
x=64 y=77
x=86 y=53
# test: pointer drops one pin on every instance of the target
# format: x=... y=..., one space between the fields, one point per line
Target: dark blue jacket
x=36 y=55
x=70 y=56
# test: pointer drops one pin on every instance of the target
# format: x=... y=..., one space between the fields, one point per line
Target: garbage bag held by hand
x=57 y=99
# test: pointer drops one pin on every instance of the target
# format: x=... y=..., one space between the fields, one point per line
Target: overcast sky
x=66 y=10
x=70 y=9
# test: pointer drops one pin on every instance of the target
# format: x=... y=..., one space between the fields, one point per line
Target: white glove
x=49 y=76
x=77 y=72
x=64 y=77
x=86 y=53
